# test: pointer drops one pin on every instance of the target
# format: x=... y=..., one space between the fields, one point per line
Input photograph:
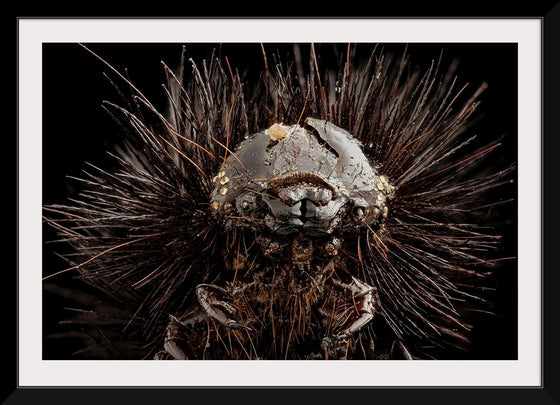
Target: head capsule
x=293 y=179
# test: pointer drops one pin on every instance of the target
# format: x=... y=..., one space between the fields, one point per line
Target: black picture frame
x=548 y=393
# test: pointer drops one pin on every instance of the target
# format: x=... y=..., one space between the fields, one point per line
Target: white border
x=33 y=371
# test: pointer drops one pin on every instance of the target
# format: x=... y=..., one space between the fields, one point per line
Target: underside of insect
x=317 y=214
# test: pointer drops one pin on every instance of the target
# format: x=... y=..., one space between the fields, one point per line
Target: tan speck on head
x=276 y=131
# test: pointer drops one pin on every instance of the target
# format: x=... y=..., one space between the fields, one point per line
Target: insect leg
x=211 y=298
x=365 y=304
x=176 y=344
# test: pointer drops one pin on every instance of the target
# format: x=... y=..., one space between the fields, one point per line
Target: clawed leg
x=365 y=303
x=212 y=299
x=183 y=335
x=175 y=345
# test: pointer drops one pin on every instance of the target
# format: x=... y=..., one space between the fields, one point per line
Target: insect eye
x=246 y=203
x=371 y=215
x=358 y=212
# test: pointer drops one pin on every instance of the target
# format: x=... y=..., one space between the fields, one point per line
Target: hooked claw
x=365 y=304
x=211 y=299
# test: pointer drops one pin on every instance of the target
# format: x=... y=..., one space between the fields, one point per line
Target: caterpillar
x=324 y=201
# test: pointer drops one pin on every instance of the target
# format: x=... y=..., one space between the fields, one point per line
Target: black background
x=76 y=130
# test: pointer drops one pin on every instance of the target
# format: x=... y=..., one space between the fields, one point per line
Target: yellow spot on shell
x=219 y=176
x=224 y=180
x=223 y=191
x=216 y=205
x=276 y=131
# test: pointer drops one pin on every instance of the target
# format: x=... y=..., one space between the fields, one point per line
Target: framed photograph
x=201 y=206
